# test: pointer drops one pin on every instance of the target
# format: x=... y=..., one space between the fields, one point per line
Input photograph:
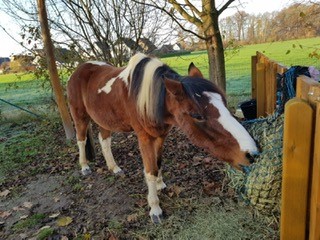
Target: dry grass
x=224 y=220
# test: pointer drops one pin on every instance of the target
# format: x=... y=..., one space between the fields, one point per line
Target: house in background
x=146 y=45
x=4 y=64
x=129 y=47
x=170 y=49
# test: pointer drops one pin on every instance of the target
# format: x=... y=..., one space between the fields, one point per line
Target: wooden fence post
x=298 y=127
x=314 y=231
x=261 y=90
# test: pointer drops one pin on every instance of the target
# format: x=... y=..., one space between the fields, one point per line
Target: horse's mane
x=147 y=86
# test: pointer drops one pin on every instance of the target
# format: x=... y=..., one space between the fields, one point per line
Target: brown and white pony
x=148 y=97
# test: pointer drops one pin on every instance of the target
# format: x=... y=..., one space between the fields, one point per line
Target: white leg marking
x=160 y=184
x=82 y=157
x=153 y=199
x=108 y=156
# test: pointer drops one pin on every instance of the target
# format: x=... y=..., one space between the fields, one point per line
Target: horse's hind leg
x=81 y=122
x=105 y=141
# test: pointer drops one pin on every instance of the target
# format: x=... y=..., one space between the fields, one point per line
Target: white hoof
x=117 y=170
x=161 y=185
x=156 y=215
x=86 y=171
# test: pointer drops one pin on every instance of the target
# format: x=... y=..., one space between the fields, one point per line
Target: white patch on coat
x=108 y=87
x=97 y=63
x=124 y=74
x=230 y=124
x=108 y=156
x=153 y=199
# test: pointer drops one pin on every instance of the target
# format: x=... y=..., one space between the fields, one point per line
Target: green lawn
x=22 y=90
x=238 y=67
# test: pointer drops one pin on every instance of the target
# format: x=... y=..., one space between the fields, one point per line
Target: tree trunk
x=214 y=44
x=53 y=72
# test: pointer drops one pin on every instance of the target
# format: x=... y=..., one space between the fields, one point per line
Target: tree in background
x=298 y=20
x=92 y=29
x=202 y=22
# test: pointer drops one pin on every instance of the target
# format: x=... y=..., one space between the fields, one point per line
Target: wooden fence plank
x=261 y=90
x=314 y=231
x=271 y=87
x=298 y=127
x=254 y=61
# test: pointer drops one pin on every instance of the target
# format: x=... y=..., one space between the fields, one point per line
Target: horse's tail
x=90 y=150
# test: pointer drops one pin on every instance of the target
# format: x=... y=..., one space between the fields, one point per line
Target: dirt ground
x=48 y=198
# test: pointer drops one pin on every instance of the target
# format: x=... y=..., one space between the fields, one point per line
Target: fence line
x=264 y=83
x=300 y=204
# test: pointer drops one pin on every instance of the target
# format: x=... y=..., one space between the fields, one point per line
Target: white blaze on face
x=124 y=74
x=230 y=124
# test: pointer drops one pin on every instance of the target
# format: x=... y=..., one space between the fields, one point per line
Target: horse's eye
x=197 y=116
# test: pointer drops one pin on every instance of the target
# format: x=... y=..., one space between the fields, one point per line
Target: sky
x=9 y=46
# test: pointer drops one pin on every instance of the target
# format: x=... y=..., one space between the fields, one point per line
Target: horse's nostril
x=251 y=157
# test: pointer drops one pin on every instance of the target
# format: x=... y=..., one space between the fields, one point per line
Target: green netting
x=261 y=184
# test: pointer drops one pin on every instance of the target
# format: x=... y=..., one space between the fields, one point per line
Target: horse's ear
x=193 y=71
x=173 y=87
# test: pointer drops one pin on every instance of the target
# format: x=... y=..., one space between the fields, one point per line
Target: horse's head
x=198 y=107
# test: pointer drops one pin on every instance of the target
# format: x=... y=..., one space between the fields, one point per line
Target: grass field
x=22 y=90
x=238 y=66
x=26 y=92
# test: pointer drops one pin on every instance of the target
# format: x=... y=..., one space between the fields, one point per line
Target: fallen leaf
x=43 y=228
x=197 y=159
x=64 y=221
x=86 y=236
x=24 y=217
x=208 y=188
x=64 y=238
x=113 y=237
x=175 y=190
x=130 y=154
x=182 y=166
x=141 y=202
x=132 y=218
x=56 y=199
x=100 y=171
x=55 y=215
x=5 y=214
x=4 y=193
x=18 y=209
x=207 y=160
x=27 y=204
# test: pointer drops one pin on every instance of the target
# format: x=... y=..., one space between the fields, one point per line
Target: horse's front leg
x=158 y=145
x=151 y=171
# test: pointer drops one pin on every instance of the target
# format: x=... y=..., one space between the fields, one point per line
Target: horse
x=149 y=98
